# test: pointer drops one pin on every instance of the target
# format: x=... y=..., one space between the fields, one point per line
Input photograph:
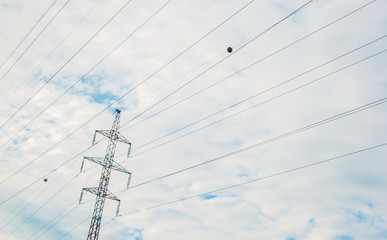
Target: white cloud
x=342 y=199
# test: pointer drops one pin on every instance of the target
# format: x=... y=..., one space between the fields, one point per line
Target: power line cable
x=268 y=29
x=128 y=92
x=29 y=202
x=242 y=183
x=41 y=192
x=79 y=126
x=259 y=179
x=202 y=127
x=40 y=33
x=65 y=138
x=28 y=33
x=6 y=220
x=52 y=197
x=223 y=59
x=245 y=44
x=316 y=124
x=262 y=59
x=65 y=64
x=249 y=108
x=379 y=103
x=174 y=80
x=73 y=228
x=67 y=90
x=333 y=118
x=31 y=215
x=261 y=143
x=64 y=216
x=114 y=102
x=243 y=69
x=46 y=175
x=52 y=220
x=51 y=52
x=73 y=158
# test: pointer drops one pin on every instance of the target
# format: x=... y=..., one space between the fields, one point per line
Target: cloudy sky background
x=59 y=85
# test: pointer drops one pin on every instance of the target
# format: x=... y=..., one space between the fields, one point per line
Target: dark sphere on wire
x=229 y=49
x=45 y=180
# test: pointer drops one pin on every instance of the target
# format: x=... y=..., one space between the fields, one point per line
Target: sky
x=283 y=138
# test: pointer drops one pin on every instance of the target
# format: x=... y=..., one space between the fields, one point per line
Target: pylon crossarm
x=97 y=160
x=106 y=133
x=118 y=167
x=110 y=133
x=122 y=139
x=93 y=190
x=111 y=196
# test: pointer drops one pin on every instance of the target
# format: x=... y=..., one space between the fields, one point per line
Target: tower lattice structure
x=108 y=164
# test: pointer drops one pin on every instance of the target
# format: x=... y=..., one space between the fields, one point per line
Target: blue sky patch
x=360 y=216
x=243 y=175
x=208 y=196
x=134 y=233
x=369 y=204
x=19 y=140
x=102 y=98
x=290 y=238
x=344 y=237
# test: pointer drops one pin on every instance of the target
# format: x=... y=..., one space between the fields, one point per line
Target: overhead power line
x=271 y=27
x=49 y=149
x=118 y=98
x=260 y=178
x=52 y=197
x=37 y=210
x=179 y=88
x=268 y=56
x=40 y=33
x=238 y=184
x=28 y=33
x=262 y=143
x=246 y=109
x=65 y=64
x=255 y=95
x=7 y=199
x=51 y=52
x=114 y=102
x=56 y=219
x=374 y=103
x=260 y=60
x=259 y=144
x=13 y=213
x=220 y=61
x=57 y=99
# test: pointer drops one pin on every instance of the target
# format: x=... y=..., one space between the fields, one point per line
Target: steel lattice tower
x=108 y=165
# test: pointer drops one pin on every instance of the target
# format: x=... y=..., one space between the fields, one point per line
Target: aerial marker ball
x=45 y=180
x=229 y=49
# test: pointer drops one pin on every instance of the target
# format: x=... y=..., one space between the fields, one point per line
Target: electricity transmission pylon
x=108 y=165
